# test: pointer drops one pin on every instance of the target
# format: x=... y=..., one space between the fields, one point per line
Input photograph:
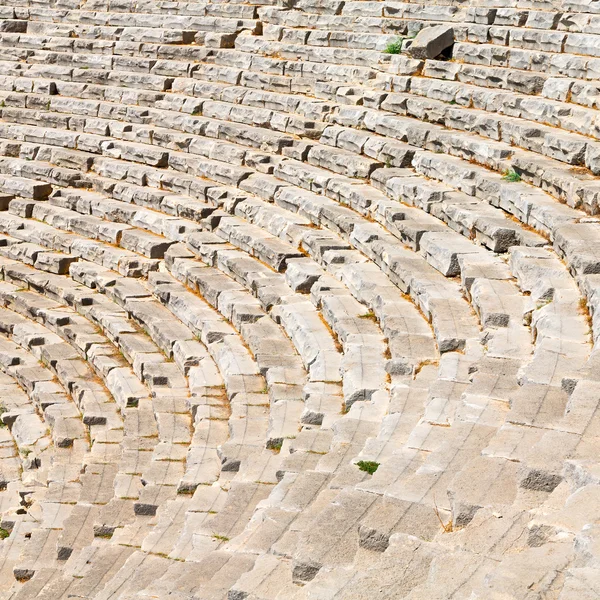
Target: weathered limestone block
x=431 y=41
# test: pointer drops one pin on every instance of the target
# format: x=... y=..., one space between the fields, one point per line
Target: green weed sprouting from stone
x=512 y=176
x=368 y=315
x=368 y=466
x=275 y=445
x=394 y=47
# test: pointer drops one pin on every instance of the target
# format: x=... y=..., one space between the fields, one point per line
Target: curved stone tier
x=299 y=300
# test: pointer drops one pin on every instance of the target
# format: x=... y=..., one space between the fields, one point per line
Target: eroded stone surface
x=299 y=302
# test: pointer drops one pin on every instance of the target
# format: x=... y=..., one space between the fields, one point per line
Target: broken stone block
x=431 y=42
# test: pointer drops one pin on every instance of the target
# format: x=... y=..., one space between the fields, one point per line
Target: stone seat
x=77 y=328
x=219 y=355
x=37 y=256
x=248 y=328
x=543 y=214
x=148 y=244
x=96 y=131
x=214 y=573
x=145 y=153
x=131 y=79
x=56 y=43
x=120 y=382
x=400 y=19
x=57 y=80
x=445 y=80
x=498 y=303
x=88 y=19
x=253 y=240
x=557 y=146
x=317 y=197
x=341 y=56
x=227 y=9
x=103 y=563
x=253 y=332
x=361 y=529
x=351 y=370
x=570 y=148
x=50 y=174
x=284 y=305
x=116 y=391
x=561 y=40
x=398 y=319
x=60 y=414
x=121 y=260
x=330 y=36
x=203 y=464
x=471 y=250
x=370 y=535
x=284 y=70
x=424 y=158
x=498 y=77
x=105 y=62
x=287 y=206
x=27 y=188
x=463 y=213
x=541 y=274
x=563 y=183
x=317 y=357
x=91 y=227
x=39 y=555
x=134 y=34
x=287 y=49
x=527 y=59
x=157 y=82
x=212 y=77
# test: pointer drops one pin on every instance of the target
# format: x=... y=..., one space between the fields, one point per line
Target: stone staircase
x=292 y=311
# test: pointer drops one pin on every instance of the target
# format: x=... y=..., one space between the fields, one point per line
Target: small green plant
x=368 y=466
x=512 y=176
x=4 y=533
x=369 y=315
x=221 y=538
x=394 y=47
x=275 y=445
